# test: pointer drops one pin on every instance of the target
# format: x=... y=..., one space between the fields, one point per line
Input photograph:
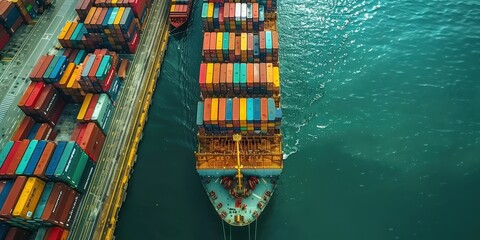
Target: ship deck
x=99 y=209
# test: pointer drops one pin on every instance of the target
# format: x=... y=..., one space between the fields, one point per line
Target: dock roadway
x=14 y=76
x=98 y=212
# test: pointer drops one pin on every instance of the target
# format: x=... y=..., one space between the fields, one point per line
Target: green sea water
x=381 y=128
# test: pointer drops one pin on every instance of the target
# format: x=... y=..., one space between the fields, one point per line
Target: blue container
x=88 y=66
x=34 y=131
x=256 y=46
x=107 y=17
x=229 y=111
x=243 y=76
x=5 y=191
x=5 y=151
x=236 y=77
x=114 y=89
x=32 y=164
x=257 y=113
x=3 y=230
x=51 y=66
x=52 y=165
x=59 y=68
x=127 y=19
x=250 y=110
x=12 y=17
x=271 y=110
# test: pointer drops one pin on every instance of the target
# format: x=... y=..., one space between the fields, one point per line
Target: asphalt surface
x=39 y=40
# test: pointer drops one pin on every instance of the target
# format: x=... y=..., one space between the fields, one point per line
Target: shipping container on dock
x=10 y=16
x=242 y=47
x=115 y=28
x=232 y=17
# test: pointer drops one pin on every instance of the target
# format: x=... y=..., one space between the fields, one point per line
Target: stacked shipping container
x=12 y=14
x=239 y=78
x=43 y=179
x=240 y=47
x=232 y=17
x=115 y=26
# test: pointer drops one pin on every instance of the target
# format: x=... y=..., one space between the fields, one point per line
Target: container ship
x=179 y=12
x=239 y=156
x=73 y=113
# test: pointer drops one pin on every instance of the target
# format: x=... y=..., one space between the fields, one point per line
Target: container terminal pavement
x=71 y=117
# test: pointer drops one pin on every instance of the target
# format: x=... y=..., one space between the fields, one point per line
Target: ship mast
x=236 y=139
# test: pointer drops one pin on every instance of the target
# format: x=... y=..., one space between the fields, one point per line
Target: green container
x=86 y=176
x=26 y=157
x=236 y=75
x=43 y=201
x=204 y=11
x=243 y=76
x=5 y=152
x=77 y=175
x=50 y=67
x=67 y=154
x=71 y=164
x=40 y=234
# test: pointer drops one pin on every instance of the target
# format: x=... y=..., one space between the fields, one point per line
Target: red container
x=16 y=159
x=23 y=129
x=92 y=141
x=4 y=37
x=44 y=160
x=83 y=126
x=46 y=62
x=53 y=205
x=202 y=77
x=9 y=158
x=37 y=67
x=54 y=233
x=29 y=104
x=11 y=200
x=26 y=95
x=91 y=107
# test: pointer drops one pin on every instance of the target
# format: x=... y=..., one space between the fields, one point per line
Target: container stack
x=29 y=129
x=241 y=47
x=240 y=77
x=114 y=28
x=269 y=5
x=12 y=14
x=222 y=116
x=97 y=108
x=29 y=203
x=232 y=17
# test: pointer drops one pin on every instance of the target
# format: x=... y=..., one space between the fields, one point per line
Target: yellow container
x=243 y=44
x=214 y=112
x=276 y=77
x=75 y=74
x=83 y=109
x=29 y=197
x=116 y=22
x=64 y=31
x=218 y=45
x=243 y=112
x=269 y=75
x=66 y=75
x=211 y=7
x=209 y=78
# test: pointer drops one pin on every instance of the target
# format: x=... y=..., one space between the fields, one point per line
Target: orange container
x=207 y=109
x=206 y=41
x=222 y=102
x=250 y=75
x=236 y=112
x=216 y=76
x=23 y=129
x=229 y=80
x=263 y=75
x=223 y=77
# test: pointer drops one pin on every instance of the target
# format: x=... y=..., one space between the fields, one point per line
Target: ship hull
x=179 y=14
x=235 y=210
